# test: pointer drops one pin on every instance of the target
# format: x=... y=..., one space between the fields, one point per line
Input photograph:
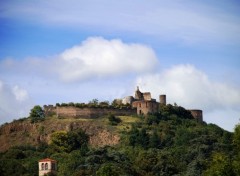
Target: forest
x=167 y=143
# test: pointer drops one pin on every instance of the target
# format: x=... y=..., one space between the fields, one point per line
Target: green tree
x=93 y=102
x=108 y=170
x=77 y=139
x=10 y=167
x=236 y=137
x=154 y=140
x=220 y=165
x=62 y=141
x=113 y=120
x=59 y=141
x=37 y=114
x=236 y=142
x=104 y=104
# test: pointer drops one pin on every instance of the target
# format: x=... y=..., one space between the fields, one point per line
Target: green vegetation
x=95 y=104
x=113 y=120
x=62 y=141
x=167 y=143
x=37 y=114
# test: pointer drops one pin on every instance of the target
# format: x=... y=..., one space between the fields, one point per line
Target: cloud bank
x=14 y=102
x=191 y=88
x=97 y=57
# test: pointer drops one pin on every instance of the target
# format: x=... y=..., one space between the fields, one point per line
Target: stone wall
x=197 y=114
x=145 y=107
x=91 y=112
x=147 y=96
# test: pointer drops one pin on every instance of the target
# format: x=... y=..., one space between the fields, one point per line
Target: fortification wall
x=147 y=96
x=197 y=114
x=49 y=109
x=145 y=107
x=91 y=112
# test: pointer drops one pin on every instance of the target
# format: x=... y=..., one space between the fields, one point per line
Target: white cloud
x=95 y=57
x=14 y=102
x=191 y=88
x=20 y=94
x=98 y=57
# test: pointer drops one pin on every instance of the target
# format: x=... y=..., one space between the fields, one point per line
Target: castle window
x=46 y=166
x=140 y=105
x=146 y=104
x=42 y=167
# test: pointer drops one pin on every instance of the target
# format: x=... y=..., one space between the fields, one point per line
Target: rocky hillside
x=23 y=132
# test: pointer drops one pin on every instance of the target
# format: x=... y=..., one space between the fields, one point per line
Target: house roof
x=46 y=160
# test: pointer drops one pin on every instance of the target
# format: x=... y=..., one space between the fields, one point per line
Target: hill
x=167 y=143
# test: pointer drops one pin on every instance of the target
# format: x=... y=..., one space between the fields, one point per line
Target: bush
x=37 y=114
x=114 y=120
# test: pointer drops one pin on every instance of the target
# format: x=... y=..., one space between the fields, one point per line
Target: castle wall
x=197 y=114
x=147 y=96
x=92 y=112
x=49 y=109
x=145 y=107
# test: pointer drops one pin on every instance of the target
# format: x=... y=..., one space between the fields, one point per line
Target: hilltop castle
x=144 y=104
x=141 y=104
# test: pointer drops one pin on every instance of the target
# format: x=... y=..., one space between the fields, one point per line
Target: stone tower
x=162 y=99
x=138 y=94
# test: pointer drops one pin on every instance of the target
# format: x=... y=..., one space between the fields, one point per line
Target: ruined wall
x=49 y=110
x=91 y=112
x=128 y=100
x=145 y=107
x=197 y=114
x=147 y=96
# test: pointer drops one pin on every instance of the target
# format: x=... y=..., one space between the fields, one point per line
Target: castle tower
x=197 y=114
x=162 y=99
x=138 y=94
x=46 y=166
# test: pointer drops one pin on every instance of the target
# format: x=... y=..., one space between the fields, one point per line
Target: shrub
x=114 y=120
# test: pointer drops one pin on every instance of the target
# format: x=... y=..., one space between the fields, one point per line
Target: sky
x=59 y=51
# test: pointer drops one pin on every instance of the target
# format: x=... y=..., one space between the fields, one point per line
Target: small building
x=46 y=166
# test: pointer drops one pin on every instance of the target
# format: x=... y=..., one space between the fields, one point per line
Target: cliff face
x=24 y=132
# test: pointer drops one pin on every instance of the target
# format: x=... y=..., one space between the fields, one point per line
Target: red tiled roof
x=46 y=160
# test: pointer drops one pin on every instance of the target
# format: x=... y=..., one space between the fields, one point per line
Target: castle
x=141 y=104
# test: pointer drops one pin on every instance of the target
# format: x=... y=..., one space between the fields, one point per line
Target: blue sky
x=74 y=51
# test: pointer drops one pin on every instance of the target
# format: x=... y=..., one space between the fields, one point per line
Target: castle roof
x=46 y=160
